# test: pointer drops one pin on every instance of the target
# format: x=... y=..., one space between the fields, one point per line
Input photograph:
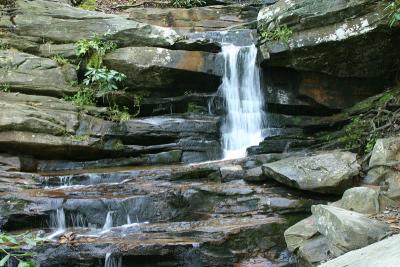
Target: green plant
x=119 y=114
x=88 y=5
x=282 y=33
x=103 y=79
x=91 y=51
x=16 y=246
x=393 y=9
x=5 y=87
x=61 y=60
x=187 y=3
x=84 y=97
x=4 y=46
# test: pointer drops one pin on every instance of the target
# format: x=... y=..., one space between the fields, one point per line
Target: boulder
x=297 y=234
x=254 y=174
x=231 y=172
x=62 y=23
x=385 y=253
x=327 y=172
x=324 y=33
x=159 y=68
x=384 y=159
x=314 y=251
x=361 y=199
x=347 y=230
x=26 y=73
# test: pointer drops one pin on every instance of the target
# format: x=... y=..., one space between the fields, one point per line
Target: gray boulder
x=297 y=234
x=328 y=172
x=385 y=253
x=361 y=199
x=347 y=230
x=385 y=156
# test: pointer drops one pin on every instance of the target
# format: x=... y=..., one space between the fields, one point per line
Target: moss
x=194 y=108
x=81 y=137
x=88 y=5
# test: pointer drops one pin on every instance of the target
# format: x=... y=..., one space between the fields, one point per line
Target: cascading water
x=58 y=221
x=108 y=223
x=244 y=101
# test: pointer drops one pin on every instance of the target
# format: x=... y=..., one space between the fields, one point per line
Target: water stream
x=244 y=101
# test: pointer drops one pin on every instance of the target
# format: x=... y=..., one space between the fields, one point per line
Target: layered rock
x=182 y=71
x=26 y=73
x=62 y=23
x=208 y=18
x=322 y=39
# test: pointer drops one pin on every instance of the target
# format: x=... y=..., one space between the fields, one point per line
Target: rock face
x=384 y=253
x=361 y=199
x=328 y=172
x=48 y=124
x=61 y=23
x=385 y=157
x=322 y=39
x=150 y=67
x=347 y=230
x=27 y=73
x=208 y=18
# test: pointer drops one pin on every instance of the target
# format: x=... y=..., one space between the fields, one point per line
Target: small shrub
x=103 y=79
x=281 y=34
x=5 y=87
x=16 y=247
x=92 y=51
x=187 y=3
x=84 y=97
x=4 y=46
x=119 y=114
x=393 y=9
x=88 y=5
x=61 y=60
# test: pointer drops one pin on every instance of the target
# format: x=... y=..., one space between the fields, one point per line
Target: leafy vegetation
x=84 y=97
x=88 y=5
x=282 y=33
x=373 y=118
x=15 y=248
x=187 y=3
x=117 y=113
x=4 y=46
x=91 y=51
x=5 y=87
x=61 y=60
x=103 y=79
x=393 y=9
x=99 y=80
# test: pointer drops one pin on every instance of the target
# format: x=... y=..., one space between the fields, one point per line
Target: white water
x=59 y=221
x=112 y=261
x=109 y=222
x=244 y=101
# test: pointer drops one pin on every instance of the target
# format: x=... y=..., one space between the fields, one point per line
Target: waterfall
x=244 y=101
x=58 y=221
x=109 y=222
x=112 y=261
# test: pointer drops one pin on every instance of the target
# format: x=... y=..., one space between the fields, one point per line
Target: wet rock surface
x=328 y=172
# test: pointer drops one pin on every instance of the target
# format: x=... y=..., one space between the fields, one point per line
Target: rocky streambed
x=133 y=176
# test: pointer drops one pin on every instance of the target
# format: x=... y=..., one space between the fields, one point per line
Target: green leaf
x=4 y=260
x=26 y=264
